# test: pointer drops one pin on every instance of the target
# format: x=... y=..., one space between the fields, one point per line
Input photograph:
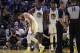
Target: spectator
x=7 y=34
x=21 y=32
x=24 y=6
x=13 y=40
x=2 y=35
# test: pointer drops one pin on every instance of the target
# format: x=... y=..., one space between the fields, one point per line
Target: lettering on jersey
x=39 y=15
x=53 y=16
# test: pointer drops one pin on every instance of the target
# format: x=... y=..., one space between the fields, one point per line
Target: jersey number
x=39 y=15
x=53 y=16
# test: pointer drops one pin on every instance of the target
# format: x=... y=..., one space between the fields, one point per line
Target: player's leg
x=51 y=41
x=51 y=37
x=55 y=36
x=28 y=41
x=41 y=47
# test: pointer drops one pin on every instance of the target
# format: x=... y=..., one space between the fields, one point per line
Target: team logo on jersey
x=53 y=16
x=39 y=14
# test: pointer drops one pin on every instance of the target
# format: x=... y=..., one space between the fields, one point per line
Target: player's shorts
x=34 y=28
x=40 y=28
x=52 y=28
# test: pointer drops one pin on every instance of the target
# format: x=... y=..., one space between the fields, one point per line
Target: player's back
x=34 y=24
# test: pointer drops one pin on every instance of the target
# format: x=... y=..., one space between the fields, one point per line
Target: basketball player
x=38 y=14
x=53 y=15
x=33 y=29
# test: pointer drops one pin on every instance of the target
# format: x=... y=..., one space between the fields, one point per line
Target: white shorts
x=52 y=28
x=40 y=27
x=34 y=28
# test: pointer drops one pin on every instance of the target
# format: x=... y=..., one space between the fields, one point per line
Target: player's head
x=23 y=17
x=53 y=4
x=62 y=6
x=38 y=3
x=18 y=14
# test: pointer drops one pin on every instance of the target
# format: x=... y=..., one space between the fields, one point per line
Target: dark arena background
x=58 y=22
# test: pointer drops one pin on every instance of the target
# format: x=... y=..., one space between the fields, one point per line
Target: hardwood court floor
x=22 y=51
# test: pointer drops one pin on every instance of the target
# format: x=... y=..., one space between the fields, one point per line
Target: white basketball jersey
x=38 y=14
x=53 y=16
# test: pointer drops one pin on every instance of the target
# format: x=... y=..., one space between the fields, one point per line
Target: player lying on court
x=33 y=28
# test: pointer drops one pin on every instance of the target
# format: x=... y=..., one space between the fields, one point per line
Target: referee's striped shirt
x=74 y=12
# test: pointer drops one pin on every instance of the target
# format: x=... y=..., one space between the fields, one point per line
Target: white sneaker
x=41 y=49
x=52 y=50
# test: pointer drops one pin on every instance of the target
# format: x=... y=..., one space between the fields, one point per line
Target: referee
x=74 y=26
